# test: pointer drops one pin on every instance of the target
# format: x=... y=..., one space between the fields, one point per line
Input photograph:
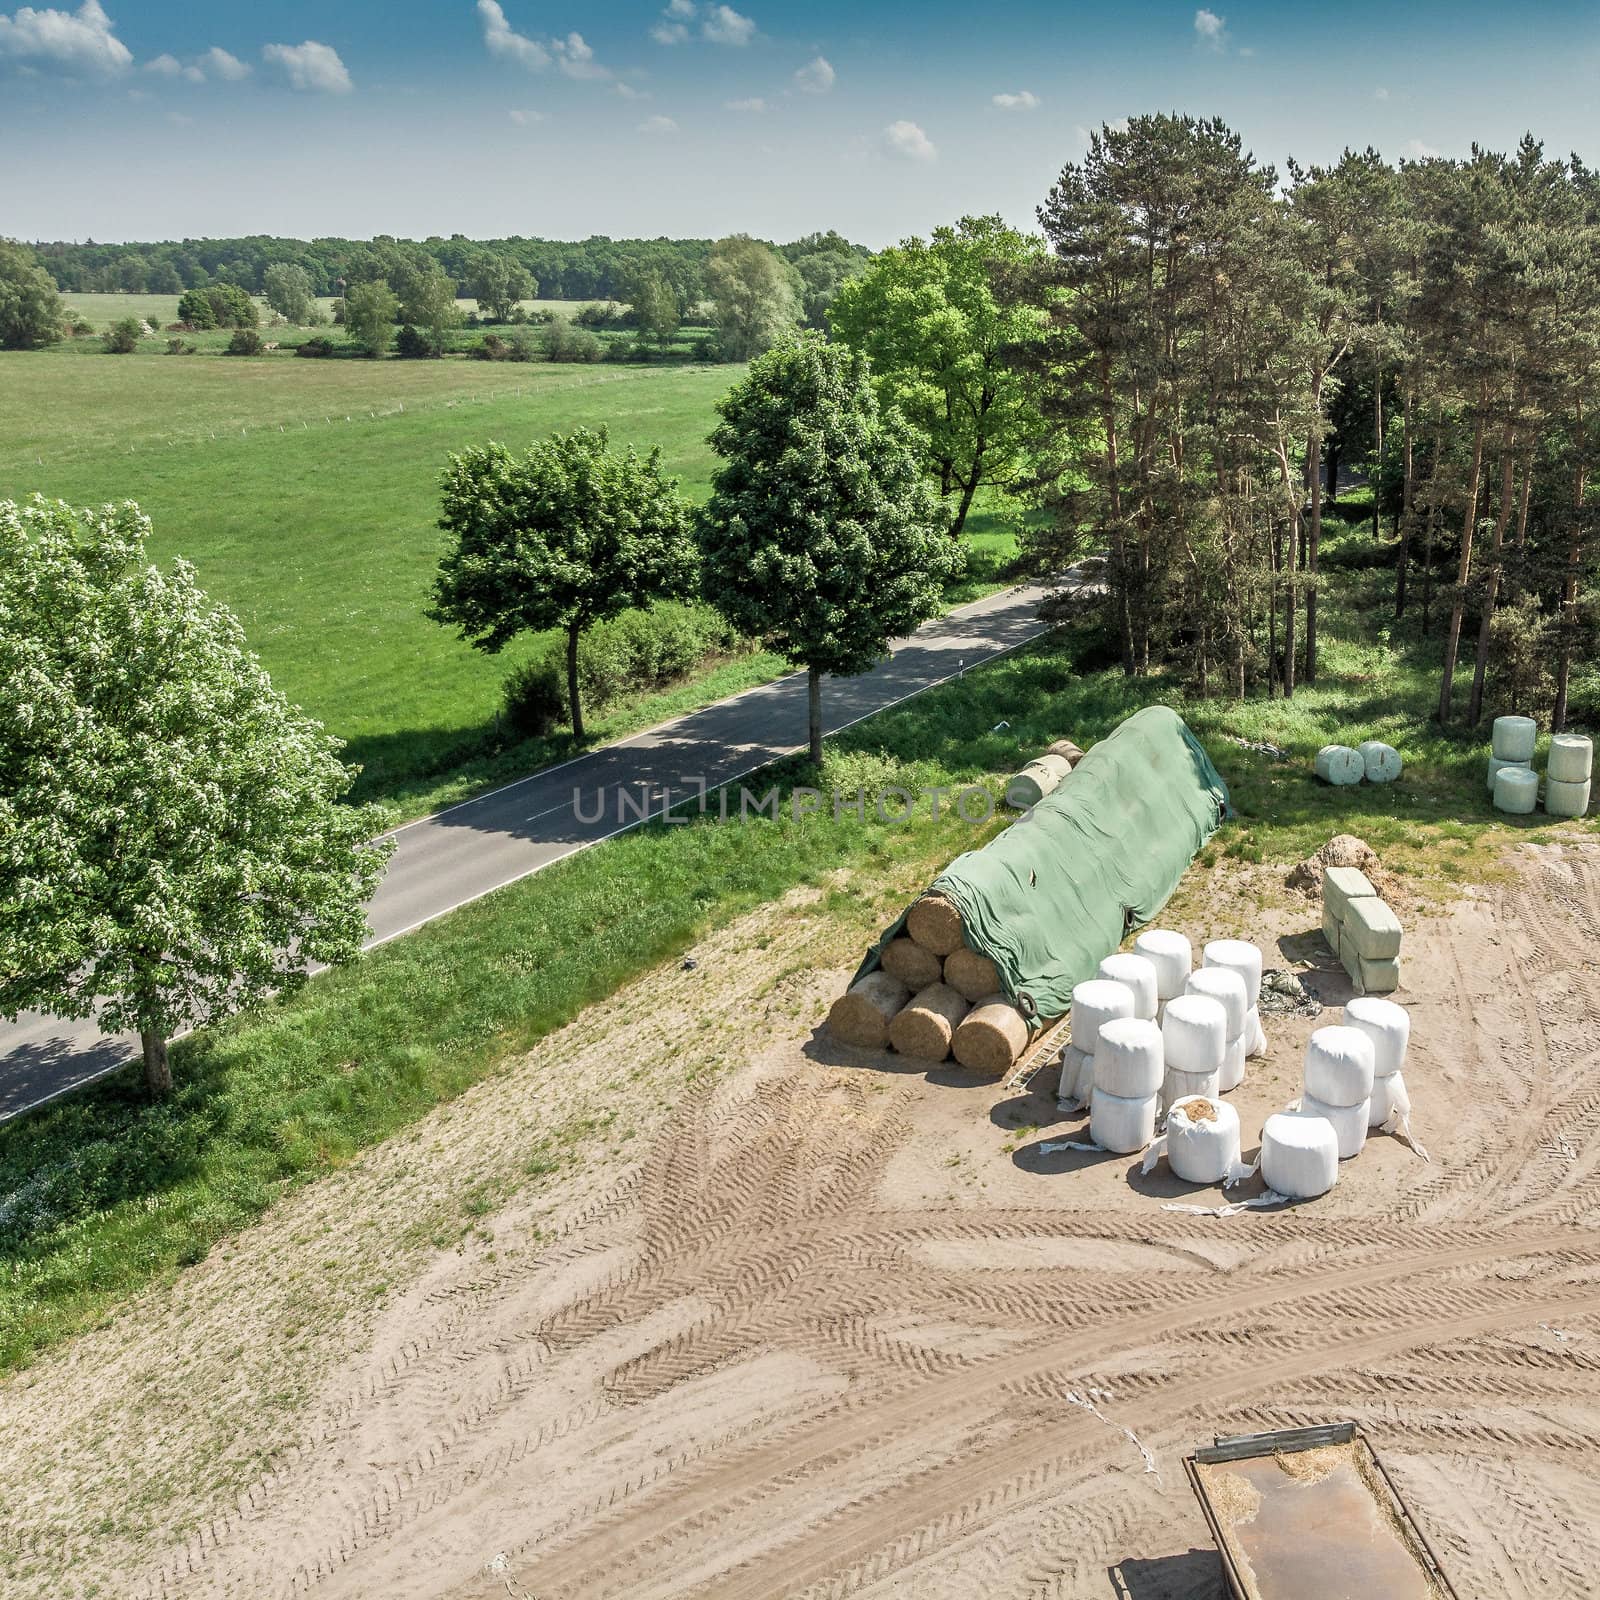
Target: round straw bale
x=975 y=976
x=935 y=923
x=906 y=960
x=1039 y=778
x=991 y=1036
x=1067 y=750
x=862 y=1014
x=924 y=1028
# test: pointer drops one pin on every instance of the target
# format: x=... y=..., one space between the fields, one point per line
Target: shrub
x=410 y=345
x=635 y=653
x=122 y=338
x=195 y=309
x=564 y=342
x=176 y=347
x=78 y=324
x=314 y=348
x=245 y=342
x=493 y=348
x=535 y=697
x=524 y=345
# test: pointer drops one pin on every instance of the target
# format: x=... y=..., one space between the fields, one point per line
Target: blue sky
x=563 y=119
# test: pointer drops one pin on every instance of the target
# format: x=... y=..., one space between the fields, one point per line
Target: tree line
x=1209 y=331
x=597 y=268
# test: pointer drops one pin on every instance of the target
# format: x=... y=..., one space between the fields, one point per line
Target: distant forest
x=587 y=269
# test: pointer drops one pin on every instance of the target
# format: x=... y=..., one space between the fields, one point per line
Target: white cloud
x=658 y=125
x=673 y=28
x=217 y=63
x=311 y=67
x=78 y=41
x=1210 y=30
x=754 y=103
x=1380 y=93
x=576 y=58
x=1022 y=100
x=502 y=40
x=1416 y=150
x=523 y=118
x=724 y=25
x=628 y=92
x=815 y=77
x=908 y=140
x=1082 y=133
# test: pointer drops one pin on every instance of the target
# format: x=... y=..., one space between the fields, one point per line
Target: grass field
x=306 y=494
x=101 y=1192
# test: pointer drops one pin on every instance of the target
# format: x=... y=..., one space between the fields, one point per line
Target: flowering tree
x=172 y=838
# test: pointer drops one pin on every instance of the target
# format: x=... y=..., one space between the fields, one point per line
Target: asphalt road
x=457 y=855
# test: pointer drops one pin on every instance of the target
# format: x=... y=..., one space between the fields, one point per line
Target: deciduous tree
x=755 y=296
x=821 y=535
x=31 y=313
x=173 y=837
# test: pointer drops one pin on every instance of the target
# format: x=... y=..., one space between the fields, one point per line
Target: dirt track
x=845 y=1330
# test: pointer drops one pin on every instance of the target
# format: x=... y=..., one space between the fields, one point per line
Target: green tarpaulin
x=1052 y=896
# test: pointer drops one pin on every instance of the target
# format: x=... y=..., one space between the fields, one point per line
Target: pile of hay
x=933 y=997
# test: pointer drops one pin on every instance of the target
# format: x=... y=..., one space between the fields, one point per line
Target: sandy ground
x=804 y=1322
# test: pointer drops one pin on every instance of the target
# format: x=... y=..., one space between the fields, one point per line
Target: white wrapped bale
x=1389 y=1098
x=1566 y=799
x=905 y=959
x=1339 y=764
x=991 y=1037
x=1231 y=1073
x=1387 y=1025
x=1095 y=1002
x=1496 y=765
x=1040 y=777
x=1202 y=1139
x=975 y=976
x=1226 y=987
x=1239 y=956
x=1128 y=1061
x=1571 y=759
x=1374 y=977
x=1177 y=1085
x=1380 y=761
x=1516 y=791
x=1171 y=955
x=1373 y=930
x=1349 y=1123
x=862 y=1014
x=1139 y=974
x=1338 y=1069
x=1255 y=1036
x=1341 y=885
x=1120 y=1125
x=1077 y=1078
x=926 y=1026
x=1299 y=1155
x=1513 y=738
x=1194 y=1033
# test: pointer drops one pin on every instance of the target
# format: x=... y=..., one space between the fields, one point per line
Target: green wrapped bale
x=1341 y=885
x=1372 y=929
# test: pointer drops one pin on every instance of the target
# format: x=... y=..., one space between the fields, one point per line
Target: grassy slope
x=102 y=1193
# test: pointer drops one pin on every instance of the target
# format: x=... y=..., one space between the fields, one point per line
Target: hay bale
x=1382 y=760
x=1516 y=789
x=1040 y=777
x=1571 y=759
x=906 y=960
x=975 y=977
x=1339 y=764
x=1496 y=763
x=1067 y=750
x=925 y=1027
x=935 y=923
x=1566 y=799
x=862 y=1014
x=1513 y=738
x=991 y=1037
x=1341 y=885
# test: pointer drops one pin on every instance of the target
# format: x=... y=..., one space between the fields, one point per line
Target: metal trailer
x=1332 y=1529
